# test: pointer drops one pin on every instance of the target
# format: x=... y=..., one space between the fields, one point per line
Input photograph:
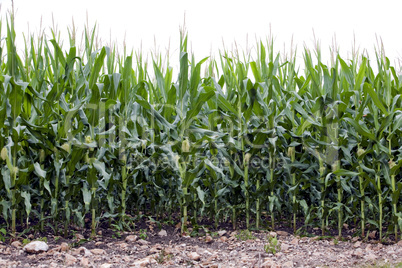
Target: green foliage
x=245 y=235
x=143 y=234
x=273 y=245
x=3 y=233
x=163 y=257
x=91 y=136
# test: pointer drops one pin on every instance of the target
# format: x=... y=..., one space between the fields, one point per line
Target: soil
x=152 y=244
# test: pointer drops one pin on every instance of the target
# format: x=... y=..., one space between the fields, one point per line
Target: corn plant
x=92 y=134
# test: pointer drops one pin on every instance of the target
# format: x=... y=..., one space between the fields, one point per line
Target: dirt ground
x=153 y=245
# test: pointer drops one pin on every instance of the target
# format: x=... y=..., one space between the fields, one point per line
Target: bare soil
x=152 y=244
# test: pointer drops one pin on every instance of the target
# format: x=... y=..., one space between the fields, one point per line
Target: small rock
x=223 y=239
x=123 y=246
x=84 y=262
x=98 y=251
x=390 y=252
x=144 y=262
x=282 y=233
x=79 y=237
x=378 y=247
x=7 y=251
x=370 y=257
x=357 y=244
x=222 y=232
x=162 y=233
x=194 y=256
x=269 y=263
x=285 y=247
x=155 y=249
x=16 y=244
x=70 y=260
x=288 y=264
x=355 y=239
x=84 y=251
x=142 y=242
x=272 y=234
x=64 y=247
x=233 y=252
x=295 y=241
x=36 y=247
x=131 y=238
x=372 y=234
x=106 y=265
x=208 y=239
x=358 y=253
x=99 y=243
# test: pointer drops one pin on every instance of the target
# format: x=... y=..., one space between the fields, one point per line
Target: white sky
x=209 y=22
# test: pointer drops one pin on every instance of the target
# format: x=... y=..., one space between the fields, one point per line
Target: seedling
x=143 y=234
x=245 y=235
x=273 y=246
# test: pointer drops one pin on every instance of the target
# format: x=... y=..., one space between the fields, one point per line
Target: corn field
x=96 y=137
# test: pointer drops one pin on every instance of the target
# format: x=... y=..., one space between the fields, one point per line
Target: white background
x=212 y=23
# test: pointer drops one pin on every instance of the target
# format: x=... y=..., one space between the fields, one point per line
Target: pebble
x=145 y=262
x=282 y=233
x=79 y=237
x=370 y=257
x=84 y=251
x=288 y=264
x=84 y=262
x=295 y=241
x=285 y=247
x=98 y=251
x=222 y=232
x=372 y=234
x=70 y=259
x=36 y=247
x=272 y=234
x=194 y=256
x=131 y=238
x=358 y=253
x=143 y=242
x=162 y=233
x=64 y=247
x=223 y=239
x=208 y=239
x=16 y=244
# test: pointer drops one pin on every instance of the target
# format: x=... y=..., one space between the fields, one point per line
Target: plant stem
x=184 y=225
x=363 y=217
x=257 y=205
x=123 y=191
x=272 y=198
x=247 y=196
x=379 y=199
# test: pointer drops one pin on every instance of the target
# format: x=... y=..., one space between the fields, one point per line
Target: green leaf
x=39 y=171
x=369 y=89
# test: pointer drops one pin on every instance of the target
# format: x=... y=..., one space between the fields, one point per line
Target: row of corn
x=93 y=136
